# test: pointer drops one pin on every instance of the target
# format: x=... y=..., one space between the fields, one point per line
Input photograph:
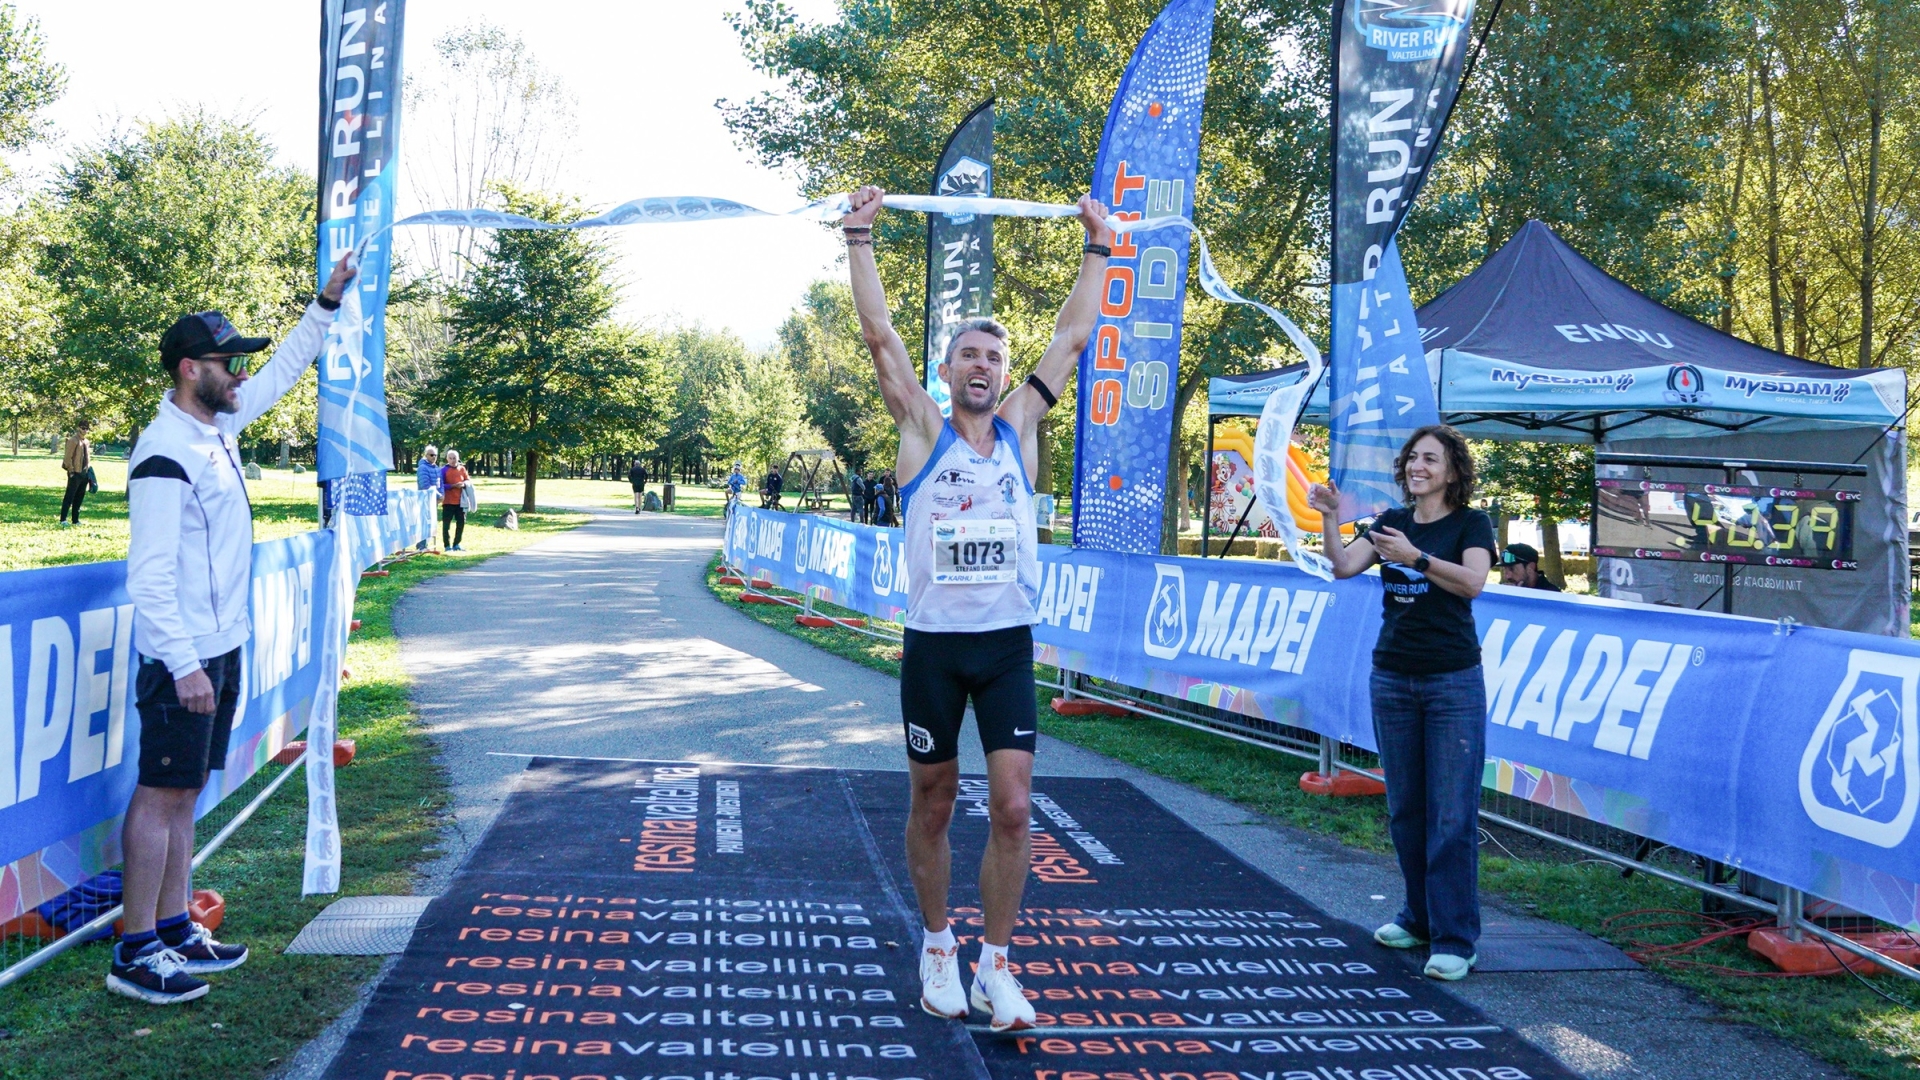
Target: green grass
x=1835 y=1018
x=61 y=1023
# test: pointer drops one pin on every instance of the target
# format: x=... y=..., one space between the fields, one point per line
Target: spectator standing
x=188 y=566
x=454 y=483
x=77 y=460
x=856 y=496
x=890 y=493
x=1520 y=566
x=426 y=476
x=1429 y=697
x=873 y=499
x=637 y=476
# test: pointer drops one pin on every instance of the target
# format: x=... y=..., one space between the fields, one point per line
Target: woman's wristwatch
x=1422 y=563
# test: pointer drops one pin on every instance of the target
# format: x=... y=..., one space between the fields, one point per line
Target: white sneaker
x=1394 y=936
x=940 y=992
x=996 y=991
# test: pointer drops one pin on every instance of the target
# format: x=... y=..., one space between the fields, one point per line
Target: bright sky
x=645 y=76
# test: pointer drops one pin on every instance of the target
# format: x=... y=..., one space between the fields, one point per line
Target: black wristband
x=1098 y=249
x=856 y=230
x=326 y=304
x=1040 y=388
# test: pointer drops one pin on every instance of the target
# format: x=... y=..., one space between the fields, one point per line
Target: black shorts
x=940 y=671
x=179 y=748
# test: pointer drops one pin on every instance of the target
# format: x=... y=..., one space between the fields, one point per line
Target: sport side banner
x=70 y=741
x=1620 y=713
x=1149 y=155
x=959 y=246
x=1397 y=75
x=360 y=81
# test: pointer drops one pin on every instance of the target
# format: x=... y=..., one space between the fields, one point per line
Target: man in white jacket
x=188 y=569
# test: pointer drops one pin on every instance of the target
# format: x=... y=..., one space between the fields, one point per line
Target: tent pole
x=1206 y=510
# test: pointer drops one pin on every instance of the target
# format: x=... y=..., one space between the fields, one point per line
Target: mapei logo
x=1166 y=629
x=824 y=550
x=1069 y=592
x=800 y=548
x=1857 y=773
x=1234 y=621
x=1625 y=689
x=882 y=567
x=768 y=540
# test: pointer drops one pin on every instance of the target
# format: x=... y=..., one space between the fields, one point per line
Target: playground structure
x=1232 y=507
x=812 y=467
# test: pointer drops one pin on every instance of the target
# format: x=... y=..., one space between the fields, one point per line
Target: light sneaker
x=940 y=993
x=996 y=991
x=1394 y=936
x=1448 y=968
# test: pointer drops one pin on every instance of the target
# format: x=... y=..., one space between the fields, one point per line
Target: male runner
x=974 y=574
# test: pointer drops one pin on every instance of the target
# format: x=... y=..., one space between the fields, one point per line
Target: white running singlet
x=972 y=559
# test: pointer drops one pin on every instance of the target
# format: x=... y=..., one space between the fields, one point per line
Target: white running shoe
x=996 y=991
x=940 y=992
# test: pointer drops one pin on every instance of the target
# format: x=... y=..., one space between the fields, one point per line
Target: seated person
x=1520 y=566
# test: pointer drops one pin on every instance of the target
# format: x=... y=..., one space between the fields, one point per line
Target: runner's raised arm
x=1024 y=406
x=911 y=407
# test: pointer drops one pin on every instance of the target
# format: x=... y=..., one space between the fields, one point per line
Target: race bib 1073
x=975 y=551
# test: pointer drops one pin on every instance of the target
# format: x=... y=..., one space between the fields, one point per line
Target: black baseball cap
x=194 y=336
x=1519 y=555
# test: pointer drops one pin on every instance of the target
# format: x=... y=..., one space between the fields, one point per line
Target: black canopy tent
x=1540 y=345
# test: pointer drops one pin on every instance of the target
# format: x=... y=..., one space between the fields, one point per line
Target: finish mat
x=658 y=920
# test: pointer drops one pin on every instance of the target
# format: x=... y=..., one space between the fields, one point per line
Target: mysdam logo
x=1233 y=626
x=1069 y=592
x=1612 y=683
x=66 y=690
x=1857 y=773
x=824 y=550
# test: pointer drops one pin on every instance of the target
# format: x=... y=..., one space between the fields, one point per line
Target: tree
x=758 y=417
x=870 y=98
x=821 y=341
x=535 y=364
x=168 y=218
x=29 y=81
x=1552 y=481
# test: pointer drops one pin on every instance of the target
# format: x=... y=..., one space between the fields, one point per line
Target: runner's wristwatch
x=1422 y=563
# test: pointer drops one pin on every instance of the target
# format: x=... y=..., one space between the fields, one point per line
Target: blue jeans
x=1432 y=734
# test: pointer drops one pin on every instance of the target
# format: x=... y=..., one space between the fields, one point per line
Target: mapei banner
x=1149 y=155
x=360 y=82
x=1788 y=751
x=1398 y=73
x=70 y=741
x=959 y=246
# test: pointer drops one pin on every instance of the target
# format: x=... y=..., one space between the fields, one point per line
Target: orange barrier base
x=1083 y=707
x=729 y=579
x=343 y=751
x=1343 y=783
x=376 y=573
x=354 y=625
x=1811 y=956
x=208 y=908
x=758 y=598
x=821 y=622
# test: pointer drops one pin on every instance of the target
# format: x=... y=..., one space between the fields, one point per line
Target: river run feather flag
x=1397 y=73
x=359 y=159
x=959 y=246
x=1149 y=155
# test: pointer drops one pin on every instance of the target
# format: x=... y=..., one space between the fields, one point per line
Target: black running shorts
x=179 y=748
x=940 y=671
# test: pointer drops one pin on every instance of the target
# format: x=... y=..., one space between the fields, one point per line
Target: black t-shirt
x=1426 y=629
x=1543 y=582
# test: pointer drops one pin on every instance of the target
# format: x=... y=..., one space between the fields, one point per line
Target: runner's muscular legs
x=929 y=855
x=1003 y=869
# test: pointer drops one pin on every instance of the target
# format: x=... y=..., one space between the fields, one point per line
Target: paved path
x=604 y=642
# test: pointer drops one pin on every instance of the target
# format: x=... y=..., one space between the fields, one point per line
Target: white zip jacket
x=190 y=559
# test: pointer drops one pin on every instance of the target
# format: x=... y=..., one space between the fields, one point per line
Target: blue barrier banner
x=1149 y=155
x=360 y=80
x=69 y=732
x=959 y=247
x=1790 y=752
x=1397 y=73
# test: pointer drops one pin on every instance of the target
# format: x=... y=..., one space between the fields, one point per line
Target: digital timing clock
x=1723 y=523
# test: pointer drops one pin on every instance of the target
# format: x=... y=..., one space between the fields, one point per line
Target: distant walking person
x=454 y=483
x=1429 y=698
x=856 y=496
x=426 y=476
x=77 y=460
x=873 y=500
x=188 y=566
x=890 y=495
x=637 y=476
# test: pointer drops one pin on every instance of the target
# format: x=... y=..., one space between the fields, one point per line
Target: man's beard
x=213 y=398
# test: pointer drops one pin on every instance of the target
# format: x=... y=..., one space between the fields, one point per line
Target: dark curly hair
x=1459 y=463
